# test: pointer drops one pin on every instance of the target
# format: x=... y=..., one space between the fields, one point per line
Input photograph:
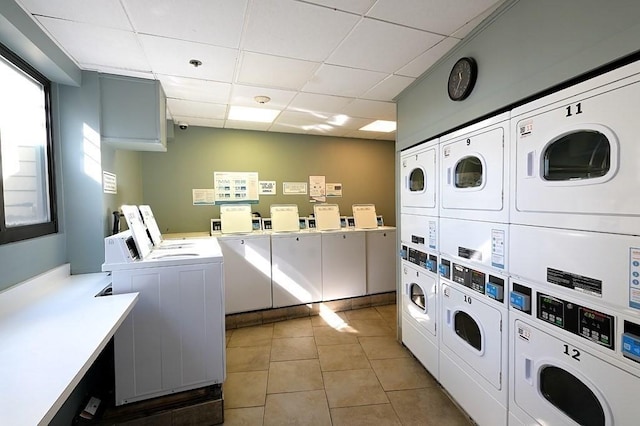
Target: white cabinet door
x=381 y=260
x=343 y=265
x=296 y=268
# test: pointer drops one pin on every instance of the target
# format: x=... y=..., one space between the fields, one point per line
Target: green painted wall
x=365 y=168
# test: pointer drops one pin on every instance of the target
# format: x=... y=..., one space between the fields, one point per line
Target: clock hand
x=459 y=80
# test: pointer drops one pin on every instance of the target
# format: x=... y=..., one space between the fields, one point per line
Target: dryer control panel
x=487 y=284
x=576 y=319
x=424 y=260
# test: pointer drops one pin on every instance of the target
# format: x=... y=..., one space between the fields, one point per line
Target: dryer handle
x=528 y=366
x=448 y=175
x=530 y=161
x=449 y=317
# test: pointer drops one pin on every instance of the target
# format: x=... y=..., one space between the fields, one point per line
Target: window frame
x=26 y=232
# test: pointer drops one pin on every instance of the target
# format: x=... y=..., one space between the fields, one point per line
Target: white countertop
x=52 y=329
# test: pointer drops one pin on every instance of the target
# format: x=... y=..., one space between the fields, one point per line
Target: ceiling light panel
x=342 y=81
x=195 y=89
x=363 y=47
x=88 y=44
x=105 y=13
x=260 y=115
x=380 y=126
x=295 y=29
x=420 y=13
x=275 y=71
x=171 y=57
x=217 y=22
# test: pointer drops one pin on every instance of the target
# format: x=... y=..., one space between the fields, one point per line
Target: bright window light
x=380 y=126
x=260 y=115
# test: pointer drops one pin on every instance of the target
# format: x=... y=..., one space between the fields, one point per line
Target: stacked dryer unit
x=419 y=253
x=575 y=255
x=474 y=232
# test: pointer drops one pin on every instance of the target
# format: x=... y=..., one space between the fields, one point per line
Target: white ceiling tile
x=418 y=66
x=105 y=13
x=328 y=130
x=295 y=29
x=171 y=57
x=355 y=6
x=438 y=16
x=380 y=46
x=182 y=108
x=388 y=88
x=244 y=96
x=342 y=81
x=360 y=134
x=217 y=22
x=198 y=121
x=307 y=102
x=371 y=109
x=194 y=89
x=88 y=44
x=246 y=125
x=465 y=29
x=275 y=71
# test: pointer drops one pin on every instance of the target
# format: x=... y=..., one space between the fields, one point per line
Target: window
x=416 y=180
x=469 y=173
x=26 y=173
x=583 y=154
x=467 y=328
x=417 y=297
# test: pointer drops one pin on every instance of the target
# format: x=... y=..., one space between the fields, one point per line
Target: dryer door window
x=468 y=173
x=416 y=180
x=571 y=396
x=467 y=328
x=582 y=154
x=418 y=297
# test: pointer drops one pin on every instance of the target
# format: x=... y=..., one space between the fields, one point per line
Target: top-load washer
x=575 y=156
x=474 y=181
x=419 y=179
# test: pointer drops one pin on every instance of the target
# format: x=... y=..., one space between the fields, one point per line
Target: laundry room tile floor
x=342 y=368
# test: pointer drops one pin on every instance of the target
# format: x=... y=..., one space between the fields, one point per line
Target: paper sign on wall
x=235 y=187
x=317 y=188
x=203 y=197
x=294 y=188
x=109 y=183
x=267 y=187
x=334 y=190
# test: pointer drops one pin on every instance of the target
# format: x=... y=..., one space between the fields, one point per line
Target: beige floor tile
x=330 y=336
x=291 y=348
x=379 y=415
x=251 y=416
x=329 y=318
x=248 y=358
x=251 y=336
x=353 y=387
x=426 y=407
x=247 y=389
x=294 y=376
x=342 y=357
x=371 y=327
x=227 y=336
x=293 y=328
x=297 y=408
x=364 y=313
x=389 y=313
x=401 y=373
x=383 y=347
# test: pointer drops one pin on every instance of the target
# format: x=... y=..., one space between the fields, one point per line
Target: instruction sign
x=235 y=187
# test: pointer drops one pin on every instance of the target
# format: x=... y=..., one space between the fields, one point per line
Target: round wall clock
x=462 y=78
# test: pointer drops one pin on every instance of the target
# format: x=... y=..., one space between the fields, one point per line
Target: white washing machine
x=473 y=345
x=420 y=313
x=484 y=244
x=593 y=266
x=575 y=156
x=571 y=363
x=419 y=179
x=474 y=172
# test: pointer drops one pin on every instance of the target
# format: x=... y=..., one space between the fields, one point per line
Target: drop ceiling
x=330 y=66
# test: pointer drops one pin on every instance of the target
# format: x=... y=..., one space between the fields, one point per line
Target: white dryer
x=593 y=266
x=575 y=156
x=570 y=362
x=473 y=347
x=474 y=178
x=420 y=314
x=480 y=243
x=419 y=179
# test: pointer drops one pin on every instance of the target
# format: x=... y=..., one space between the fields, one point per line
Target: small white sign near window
x=109 y=183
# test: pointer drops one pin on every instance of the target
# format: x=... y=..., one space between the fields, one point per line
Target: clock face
x=462 y=78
